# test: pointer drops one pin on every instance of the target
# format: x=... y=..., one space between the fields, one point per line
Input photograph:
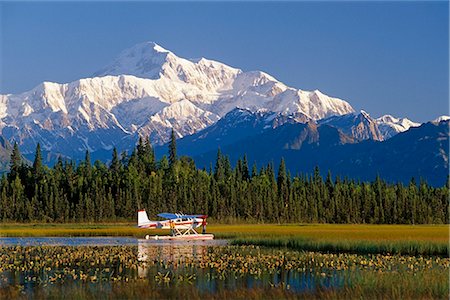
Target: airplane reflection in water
x=173 y=251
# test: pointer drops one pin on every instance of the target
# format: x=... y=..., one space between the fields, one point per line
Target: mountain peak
x=141 y=60
x=359 y=126
x=441 y=118
x=148 y=90
x=365 y=114
x=155 y=46
x=146 y=47
x=390 y=125
x=387 y=119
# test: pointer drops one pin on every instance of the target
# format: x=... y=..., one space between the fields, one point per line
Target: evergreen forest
x=99 y=192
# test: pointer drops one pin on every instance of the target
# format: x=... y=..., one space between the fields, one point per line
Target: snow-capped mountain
x=390 y=126
x=359 y=126
x=147 y=90
x=441 y=118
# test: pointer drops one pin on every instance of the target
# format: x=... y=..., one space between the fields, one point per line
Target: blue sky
x=389 y=57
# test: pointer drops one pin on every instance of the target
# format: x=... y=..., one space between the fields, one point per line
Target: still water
x=98 y=241
x=39 y=265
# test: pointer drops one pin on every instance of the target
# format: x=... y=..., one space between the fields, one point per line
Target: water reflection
x=205 y=266
x=178 y=259
x=67 y=241
x=172 y=252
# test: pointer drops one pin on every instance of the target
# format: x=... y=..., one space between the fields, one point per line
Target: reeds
x=349 y=246
x=70 y=230
x=117 y=272
x=363 y=239
x=434 y=233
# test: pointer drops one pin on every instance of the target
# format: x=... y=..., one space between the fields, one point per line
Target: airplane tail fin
x=142 y=218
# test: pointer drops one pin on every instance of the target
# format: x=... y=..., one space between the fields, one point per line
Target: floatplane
x=182 y=226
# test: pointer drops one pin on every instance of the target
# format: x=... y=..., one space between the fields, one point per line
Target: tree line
x=86 y=192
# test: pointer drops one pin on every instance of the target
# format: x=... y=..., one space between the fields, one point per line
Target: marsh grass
x=427 y=284
x=332 y=232
x=435 y=233
x=349 y=246
x=76 y=273
x=362 y=239
x=69 y=229
x=395 y=239
x=139 y=289
x=373 y=287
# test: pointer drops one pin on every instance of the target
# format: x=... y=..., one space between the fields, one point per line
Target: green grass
x=71 y=229
x=348 y=246
x=395 y=239
x=426 y=284
x=364 y=239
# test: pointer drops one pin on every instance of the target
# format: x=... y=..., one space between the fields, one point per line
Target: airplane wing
x=168 y=215
x=175 y=216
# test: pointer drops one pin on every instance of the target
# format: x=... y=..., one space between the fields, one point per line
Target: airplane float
x=182 y=226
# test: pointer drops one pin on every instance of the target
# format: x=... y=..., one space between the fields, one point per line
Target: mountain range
x=150 y=91
x=421 y=152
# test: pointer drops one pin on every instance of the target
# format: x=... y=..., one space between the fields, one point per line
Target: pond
x=121 y=267
x=96 y=241
x=225 y=268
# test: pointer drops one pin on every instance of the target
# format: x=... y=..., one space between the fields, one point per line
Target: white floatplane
x=182 y=226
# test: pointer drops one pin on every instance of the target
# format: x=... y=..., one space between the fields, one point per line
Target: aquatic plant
x=167 y=271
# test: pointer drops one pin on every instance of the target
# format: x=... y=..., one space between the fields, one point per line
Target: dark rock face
x=421 y=152
x=359 y=126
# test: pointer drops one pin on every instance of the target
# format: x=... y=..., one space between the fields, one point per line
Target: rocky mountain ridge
x=148 y=91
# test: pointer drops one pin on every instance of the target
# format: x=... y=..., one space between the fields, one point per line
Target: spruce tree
x=172 y=149
x=226 y=166
x=16 y=161
x=149 y=156
x=67 y=194
x=283 y=190
x=88 y=165
x=115 y=162
x=37 y=164
x=282 y=176
x=245 y=170
x=141 y=149
x=254 y=171
x=219 y=172
x=87 y=159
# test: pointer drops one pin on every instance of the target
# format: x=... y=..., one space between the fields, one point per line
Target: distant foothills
x=348 y=146
x=148 y=91
x=87 y=192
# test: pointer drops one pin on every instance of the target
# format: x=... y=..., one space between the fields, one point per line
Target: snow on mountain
x=441 y=118
x=143 y=60
x=314 y=104
x=149 y=60
x=359 y=126
x=421 y=152
x=390 y=126
x=148 y=90
x=183 y=116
